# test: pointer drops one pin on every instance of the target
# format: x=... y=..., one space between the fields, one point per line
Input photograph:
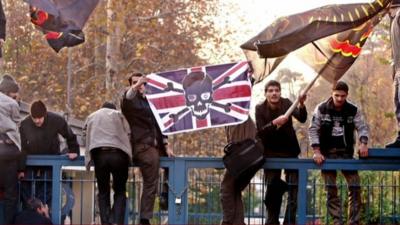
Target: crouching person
x=107 y=136
x=35 y=213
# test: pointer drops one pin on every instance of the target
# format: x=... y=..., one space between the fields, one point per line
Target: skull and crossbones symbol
x=198 y=89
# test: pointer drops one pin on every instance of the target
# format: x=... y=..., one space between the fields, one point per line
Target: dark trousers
x=9 y=159
x=115 y=162
x=9 y=181
x=148 y=159
x=397 y=97
x=37 y=183
x=334 y=205
x=231 y=200
x=275 y=190
x=353 y=184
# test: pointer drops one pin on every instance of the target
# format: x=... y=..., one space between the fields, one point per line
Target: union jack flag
x=200 y=97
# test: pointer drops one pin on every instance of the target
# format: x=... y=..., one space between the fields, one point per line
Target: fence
x=194 y=190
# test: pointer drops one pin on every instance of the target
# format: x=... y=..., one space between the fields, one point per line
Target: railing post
x=56 y=195
x=178 y=204
x=302 y=196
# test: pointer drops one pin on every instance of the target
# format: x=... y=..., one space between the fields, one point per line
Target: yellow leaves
x=59 y=90
x=139 y=49
x=23 y=78
x=169 y=38
x=83 y=108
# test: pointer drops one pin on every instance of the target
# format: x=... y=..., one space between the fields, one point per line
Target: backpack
x=244 y=158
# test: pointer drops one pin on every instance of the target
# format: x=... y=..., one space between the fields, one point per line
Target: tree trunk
x=98 y=45
x=70 y=97
x=112 y=51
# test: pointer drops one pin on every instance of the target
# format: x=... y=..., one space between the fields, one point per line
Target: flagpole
x=308 y=87
x=304 y=92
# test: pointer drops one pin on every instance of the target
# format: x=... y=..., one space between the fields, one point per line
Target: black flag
x=332 y=56
x=61 y=21
x=317 y=29
x=289 y=33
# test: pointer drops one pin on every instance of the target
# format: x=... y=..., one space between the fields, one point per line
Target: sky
x=257 y=14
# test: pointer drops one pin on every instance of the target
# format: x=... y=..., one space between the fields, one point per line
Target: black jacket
x=144 y=127
x=44 y=140
x=280 y=142
x=31 y=217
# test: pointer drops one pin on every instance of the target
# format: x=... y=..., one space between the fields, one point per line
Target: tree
x=121 y=36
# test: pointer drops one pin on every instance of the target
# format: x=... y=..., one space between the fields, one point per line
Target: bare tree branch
x=88 y=66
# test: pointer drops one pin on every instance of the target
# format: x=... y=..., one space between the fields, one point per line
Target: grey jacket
x=327 y=122
x=10 y=119
x=106 y=128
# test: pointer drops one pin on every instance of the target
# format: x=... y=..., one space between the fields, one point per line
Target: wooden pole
x=303 y=92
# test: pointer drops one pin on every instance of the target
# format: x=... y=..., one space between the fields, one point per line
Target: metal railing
x=194 y=189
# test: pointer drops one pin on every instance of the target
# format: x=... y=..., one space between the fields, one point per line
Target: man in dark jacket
x=10 y=145
x=279 y=139
x=147 y=141
x=40 y=136
x=35 y=213
x=332 y=136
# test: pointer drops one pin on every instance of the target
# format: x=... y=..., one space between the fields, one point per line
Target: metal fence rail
x=194 y=190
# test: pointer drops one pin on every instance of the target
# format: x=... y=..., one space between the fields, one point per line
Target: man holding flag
x=147 y=141
x=279 y=140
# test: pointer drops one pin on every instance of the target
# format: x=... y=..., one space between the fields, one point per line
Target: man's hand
x=45 y=210
x=142 y=80
x=72 y=156
x=1 y=42
x=318 y=157
x=302 y=99
x=21 y=175
x=170 y=152
x=282 y=119
x=363 y=150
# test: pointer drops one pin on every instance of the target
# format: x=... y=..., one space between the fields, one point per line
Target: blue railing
x=179 y=167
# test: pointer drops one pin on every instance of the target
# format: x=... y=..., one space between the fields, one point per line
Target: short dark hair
x=272 y=83
x=34 y=203
x=341 y=86
x=134 y=74
x=109 y=105
x=38 y=109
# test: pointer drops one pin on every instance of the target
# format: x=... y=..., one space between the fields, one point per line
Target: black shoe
x=144 y=221
x=395 y=144
x=164 y=201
